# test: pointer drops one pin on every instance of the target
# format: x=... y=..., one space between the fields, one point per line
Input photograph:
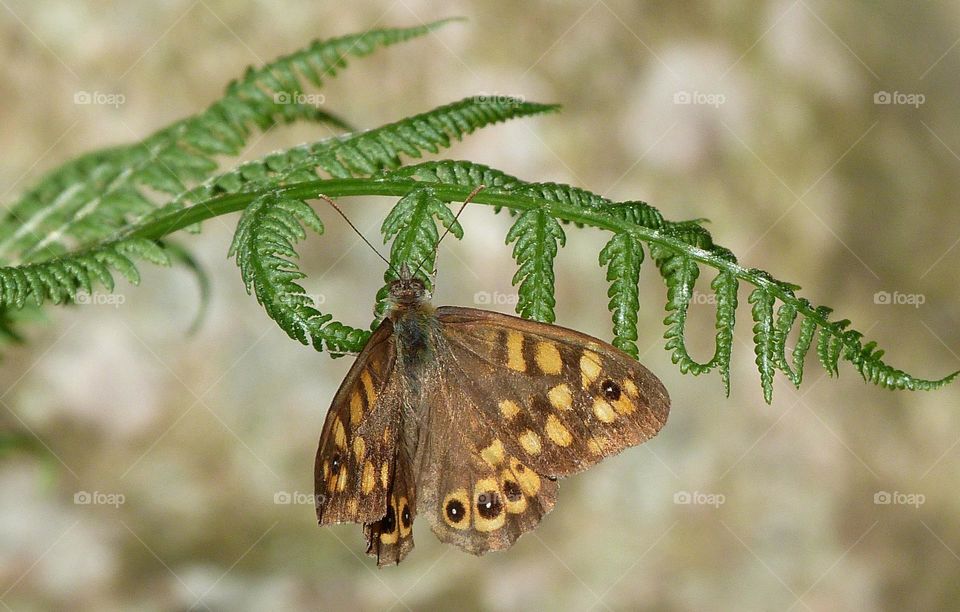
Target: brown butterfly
x=469 y=417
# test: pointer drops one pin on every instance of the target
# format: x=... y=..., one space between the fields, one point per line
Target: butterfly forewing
x=563 y=400
x=357 y=450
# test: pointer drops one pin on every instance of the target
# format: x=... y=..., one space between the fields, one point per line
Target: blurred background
x=821 y=139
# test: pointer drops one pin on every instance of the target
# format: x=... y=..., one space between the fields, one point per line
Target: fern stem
x=346 y=187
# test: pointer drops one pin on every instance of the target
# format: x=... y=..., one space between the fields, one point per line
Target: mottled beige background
x=799 y=170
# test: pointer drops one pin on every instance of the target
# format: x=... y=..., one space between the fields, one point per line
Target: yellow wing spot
x=528 y=479
x=509 y=409
x=595 y=445
x=384 y=474
x=631 y=388
x=387 y=435
x=560 y=397
x=624 y=405
x=557 y=433
x=493 y=454
x=389 y=538
x=339 y=433
x=368 y=387
x=352 y=506
x=342 y=480
x=369 y=480
x=359 y=448
x=589 y=367
x=326 y=469
x=603 y=410
x=548 y=359
x=456 y=515
x=530 y=442
x=490 y=513
x=356 y=408
x=514 y=499
x=515 y=359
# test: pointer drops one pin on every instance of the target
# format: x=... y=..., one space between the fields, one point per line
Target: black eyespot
x=335 y=464
x=489 y=505
x=455 y=510
x=611 y=390
x=552 y=478
x=405 y=517
x=512 y=490
x=389 y=523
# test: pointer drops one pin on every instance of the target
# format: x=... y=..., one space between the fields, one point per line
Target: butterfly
x=468 y=417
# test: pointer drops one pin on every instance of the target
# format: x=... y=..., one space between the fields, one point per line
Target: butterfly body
x=468 y=417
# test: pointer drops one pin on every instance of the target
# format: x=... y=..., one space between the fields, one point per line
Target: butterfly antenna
x=447 y=230
x=359 y=233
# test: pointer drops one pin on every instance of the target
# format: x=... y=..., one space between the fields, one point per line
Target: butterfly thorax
x=414 y=323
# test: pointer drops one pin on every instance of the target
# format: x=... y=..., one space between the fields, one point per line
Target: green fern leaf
x=412 y=225
x=763 y=339
x=82 y=191
x=263 y=246
x=537 y=237
x=622 y=257
x=725 y=286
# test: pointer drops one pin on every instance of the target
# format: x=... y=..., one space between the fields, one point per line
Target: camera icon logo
x=882 y=97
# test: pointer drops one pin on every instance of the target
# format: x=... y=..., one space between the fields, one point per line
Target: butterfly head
x=408 y=290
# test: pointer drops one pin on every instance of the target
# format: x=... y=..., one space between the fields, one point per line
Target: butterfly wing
x=362 y=474
x=357 y=446
x=517 y=404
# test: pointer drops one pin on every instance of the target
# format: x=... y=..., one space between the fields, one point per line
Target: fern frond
x=263 y=246
x=61 y=279
x=725 y=286
x=537 y=236
x=680 y=275
x=764 y=339
x=363 y=153
x=101 y=192
x=412 y=226
x=622 y=257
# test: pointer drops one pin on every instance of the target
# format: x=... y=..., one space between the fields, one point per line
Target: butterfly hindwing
x=475 y=493
x=357 y=449
x=391 y=538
